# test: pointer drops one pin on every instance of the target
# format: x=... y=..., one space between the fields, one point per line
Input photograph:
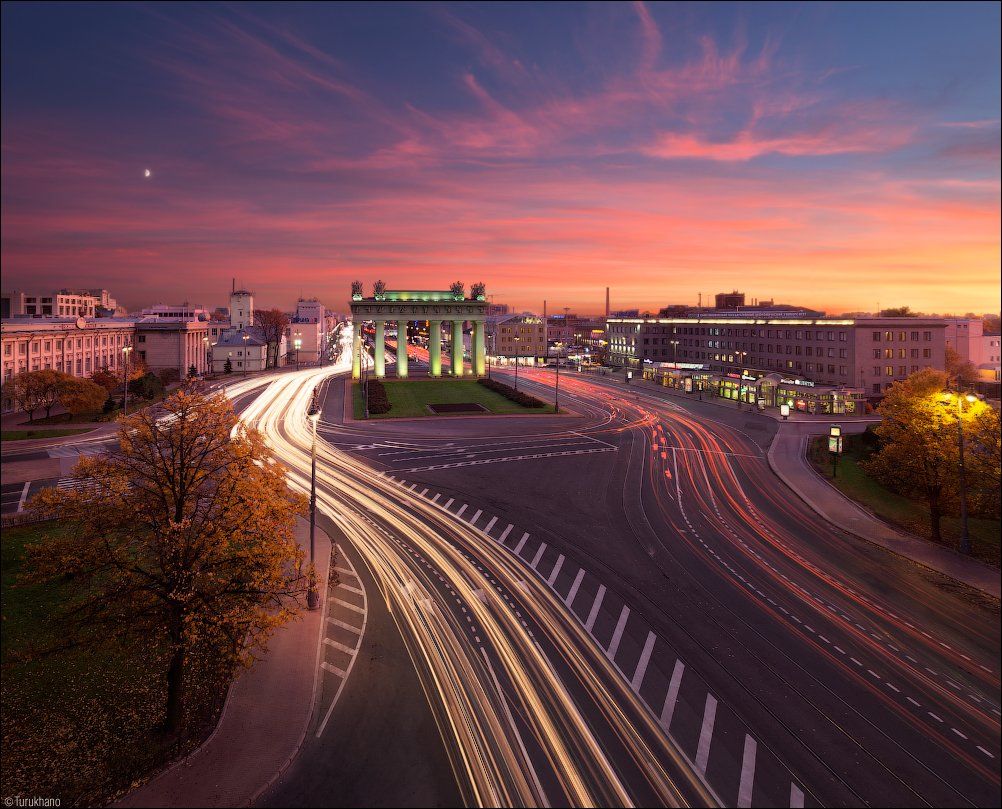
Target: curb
x=851 y=532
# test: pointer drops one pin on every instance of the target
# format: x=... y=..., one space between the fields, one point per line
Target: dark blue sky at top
x=146 y=85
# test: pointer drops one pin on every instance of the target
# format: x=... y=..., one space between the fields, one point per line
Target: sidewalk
x=264 y=722
x=788 y=459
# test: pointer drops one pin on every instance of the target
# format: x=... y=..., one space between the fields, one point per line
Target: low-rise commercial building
x=181 y=344
x=246 y=351
x=517 y=335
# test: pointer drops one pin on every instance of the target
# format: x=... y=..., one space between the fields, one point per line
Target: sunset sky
x=835 y=156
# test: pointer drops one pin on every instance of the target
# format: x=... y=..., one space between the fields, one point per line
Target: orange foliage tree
x=182 y=537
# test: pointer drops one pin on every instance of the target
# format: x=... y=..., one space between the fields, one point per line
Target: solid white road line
x=595 y=608
x=538 y=556
x=706 y=733
x=617 y=636
x=521 y=542
x=747 y=773
x=343 y=625
x=796 y=797
x=645 y=658
x=490 y=524
x=351 y=607
x=574 y=588
x=672 y=696
x=333 y=669
x=556 y=570
x=504 y=534
x=341 y=646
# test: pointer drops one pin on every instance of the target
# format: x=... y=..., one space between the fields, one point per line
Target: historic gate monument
x=403 y=306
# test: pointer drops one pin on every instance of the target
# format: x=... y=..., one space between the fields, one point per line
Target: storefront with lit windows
x=758 y=390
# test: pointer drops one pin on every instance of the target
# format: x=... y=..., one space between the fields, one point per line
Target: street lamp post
x=312 y=596
x=126 y=350
x=741 y=362
x=245 y=338
x=965 y=538
x=517 y=339
x=298 y=343
x=556 y=389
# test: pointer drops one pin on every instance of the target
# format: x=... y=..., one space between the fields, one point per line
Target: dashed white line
x=590 y=623
x=645 y=658
x=672 y=696
x=706 y=733
x=617 y=636
x=747 y=772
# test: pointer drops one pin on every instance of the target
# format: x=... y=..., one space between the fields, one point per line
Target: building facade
x=76 y=346
x=519 y=335
x=864 y=354
x=245 y=350
x=179 y=344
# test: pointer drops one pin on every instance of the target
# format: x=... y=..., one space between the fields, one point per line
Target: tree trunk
x=174 y=716
x=935 y=516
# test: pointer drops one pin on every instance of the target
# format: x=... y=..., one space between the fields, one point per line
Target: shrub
x=516 y=396
x=378 y=400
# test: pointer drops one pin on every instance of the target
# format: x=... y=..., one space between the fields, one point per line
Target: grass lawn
x=908 y=514
x=409 y=398
x=78 y=724
x=24 y=435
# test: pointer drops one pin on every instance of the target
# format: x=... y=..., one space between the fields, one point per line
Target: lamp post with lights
x=965 y=537
x=312 y=596
x=126 y=351
x=298 y=344
x=517 y=351
x=245 y=338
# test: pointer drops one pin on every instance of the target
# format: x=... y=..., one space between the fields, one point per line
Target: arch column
x=479 y=359
x=457 y=347
x=401 y=349
x=380 y=358
x=356 y=346
x=435 y=347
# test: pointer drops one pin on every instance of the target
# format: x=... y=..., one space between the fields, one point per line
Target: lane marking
x=672 y=696
x=351 y=607
x=645 y=658
x=490 y=523
x=504 y=534
x=617 y=636
x=706 y=733
x=590 y=623
x=351 y=589
x=476 y=516
x=462 y=508
x=796 y=797
x=556 y=570
x=538 y=556
x=435 y=498
x=574 y=588
x=521 y=542
x=24 y=494
x=340 y=646
x=333 y=669
x=343 y=625
x=450 y=501
x=747 y=773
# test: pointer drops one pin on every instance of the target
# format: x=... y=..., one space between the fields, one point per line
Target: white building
x=245 y=350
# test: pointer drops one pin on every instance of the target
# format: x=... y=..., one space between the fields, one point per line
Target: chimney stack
x=607 y=302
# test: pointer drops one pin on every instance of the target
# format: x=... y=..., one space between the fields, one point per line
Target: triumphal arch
x=402 y=306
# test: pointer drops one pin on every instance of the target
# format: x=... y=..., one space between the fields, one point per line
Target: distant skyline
x=829 y=155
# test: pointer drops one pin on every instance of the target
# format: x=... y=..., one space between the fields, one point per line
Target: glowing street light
x=245 y=338
x=126 y=351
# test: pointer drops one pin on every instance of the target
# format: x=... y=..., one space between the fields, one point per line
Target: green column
x=380 y=349
x=401 y=349
x=479 y=359
x=435 y=347
x=356 y=345
x=457 y=347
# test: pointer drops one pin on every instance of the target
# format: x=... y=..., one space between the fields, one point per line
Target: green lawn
x=409 y=398
x=25 y=435
x=78 y=725
x=913 y=516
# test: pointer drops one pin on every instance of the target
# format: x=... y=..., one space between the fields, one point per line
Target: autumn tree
x=961 y=373
x=106 y=378
x=26 y=391
x=983 y=458
x=48 y=387
x=918 y=454
x=81 y=395
x=272 y=324
x=181 y=539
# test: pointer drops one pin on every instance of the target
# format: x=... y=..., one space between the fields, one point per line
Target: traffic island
x=416 y=398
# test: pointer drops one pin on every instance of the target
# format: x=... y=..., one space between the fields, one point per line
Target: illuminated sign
x=802 y=382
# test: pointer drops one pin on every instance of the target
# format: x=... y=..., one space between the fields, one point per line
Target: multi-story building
x=67 y=303
x=517 y=335
x=184 y=311
x=181 y=344
x=778 y=359
x=308 y=326
x=245 y=350
x=77 y=346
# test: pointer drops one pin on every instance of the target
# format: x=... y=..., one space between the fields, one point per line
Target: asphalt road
x=859 y=678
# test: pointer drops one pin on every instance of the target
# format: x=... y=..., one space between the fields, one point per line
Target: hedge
x=378 y=400
x=510 y=393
